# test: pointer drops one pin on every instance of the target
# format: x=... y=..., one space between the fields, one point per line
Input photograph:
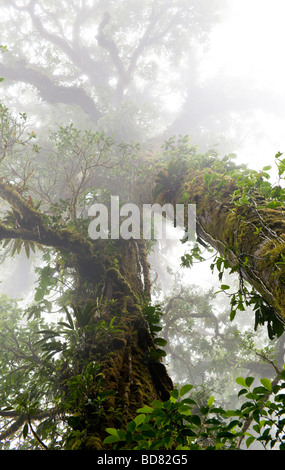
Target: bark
x=117 y=272
x=125 y=357
x=50 y=91
x=250 y=236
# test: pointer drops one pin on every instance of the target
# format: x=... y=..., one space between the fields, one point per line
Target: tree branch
x=110 y=46
x=20 y=420
x=33 y=227
x=50 y=92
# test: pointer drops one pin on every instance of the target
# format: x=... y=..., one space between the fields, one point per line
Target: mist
x=97 y=88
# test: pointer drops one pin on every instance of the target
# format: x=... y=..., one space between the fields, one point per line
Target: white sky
x=250 y=44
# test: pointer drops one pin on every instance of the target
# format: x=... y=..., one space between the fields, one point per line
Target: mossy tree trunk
x=250 y=236
x=113 y=277
x=125 y=355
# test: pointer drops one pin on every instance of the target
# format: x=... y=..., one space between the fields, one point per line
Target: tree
x=117 y=66
x=105 y=63
x=64 y=383
x=102 y=361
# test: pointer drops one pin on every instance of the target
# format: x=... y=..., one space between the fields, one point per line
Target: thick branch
x=50 y=92
x=110 y=46
x=246 y=236
x=33 y=227
x=20 y=419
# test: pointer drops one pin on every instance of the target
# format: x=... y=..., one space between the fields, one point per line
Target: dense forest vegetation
x=115 y=343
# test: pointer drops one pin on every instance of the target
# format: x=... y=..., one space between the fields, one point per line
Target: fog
x=144 y=71
x=248 y=46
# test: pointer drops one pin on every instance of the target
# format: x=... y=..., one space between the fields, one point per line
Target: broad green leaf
x=131 y=426
x=273 y=204
x=111 y=439
x=249 y=441
x=185 y=389
x=249 y=381
x=266 y=383
x=145 y=409
x=112 y=431
x=157 y=404
x=225 y=287
x=231 y=413
x=160 y=341
x=195 y=419
x=174 y=394
x=241 y=381
x=139 y=419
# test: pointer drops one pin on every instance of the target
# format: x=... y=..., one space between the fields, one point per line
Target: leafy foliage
x=178 y=424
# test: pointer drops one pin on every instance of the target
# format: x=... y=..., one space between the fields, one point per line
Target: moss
x=249 y=235
x=272 y=266
x=90 y=443
x=115 y=275
x=119 y=343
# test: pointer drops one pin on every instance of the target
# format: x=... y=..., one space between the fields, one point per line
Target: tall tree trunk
x=120 y=278
x=112 y=276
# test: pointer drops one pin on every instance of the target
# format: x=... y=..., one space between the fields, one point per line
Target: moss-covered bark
x=250 y=235
x=124 y=354
x=113 y=277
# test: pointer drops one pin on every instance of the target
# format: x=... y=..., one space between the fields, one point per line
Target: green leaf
x=185 y=389
x=266 y=383
x=249 y=381
x=157 y=404
x=25 y=430
x=241 y=381
x=69 y=318
x=112 y=431
x=210 y=401
x=225 y=287
x=131 y=426
x=249 y=441
x=231 y=413
x=27 y=249
x=160 y=341
x=232 y=314
x=174 y=394
x=62 y=323
x=273 y=204
x=195 y=419
x=39 y=295
x=145 y=409
x=47 y=332
x=225 y=434
x=111 y=439
x=139 y=419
